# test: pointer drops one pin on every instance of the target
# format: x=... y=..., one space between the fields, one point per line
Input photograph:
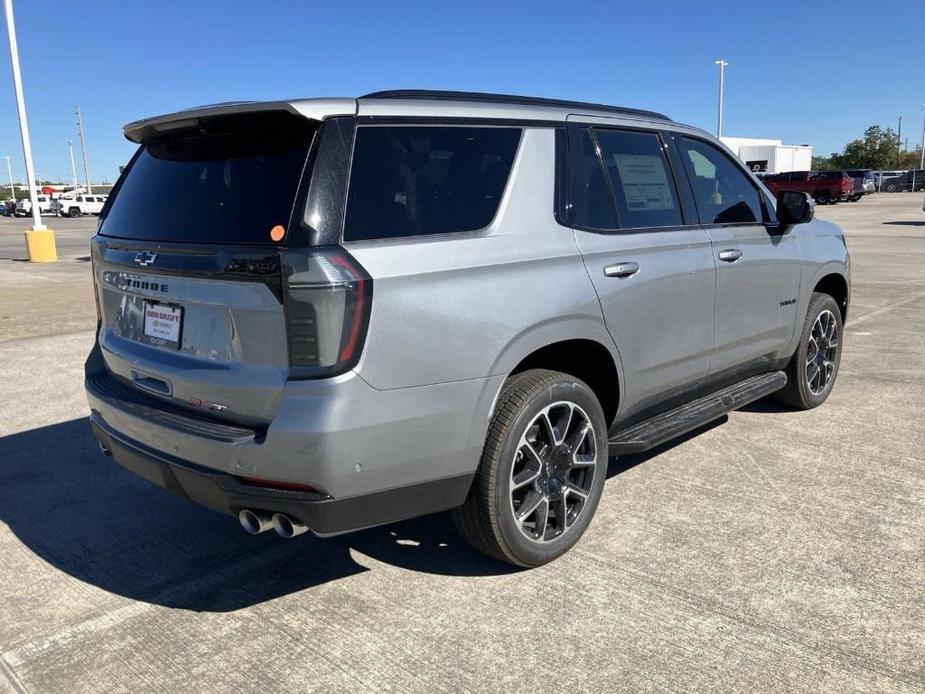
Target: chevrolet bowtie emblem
x=145 y=258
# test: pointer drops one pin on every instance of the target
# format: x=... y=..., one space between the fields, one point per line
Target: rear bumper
x=374 y=456
x=319 y=512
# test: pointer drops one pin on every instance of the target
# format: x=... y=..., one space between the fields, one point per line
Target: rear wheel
x=891 y=188
x=542 y=470
x=823 y=197
x=812 y=370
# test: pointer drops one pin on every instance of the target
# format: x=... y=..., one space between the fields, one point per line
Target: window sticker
x=645 y=182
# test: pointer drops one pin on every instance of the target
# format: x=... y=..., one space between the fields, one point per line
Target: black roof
x=441 y=95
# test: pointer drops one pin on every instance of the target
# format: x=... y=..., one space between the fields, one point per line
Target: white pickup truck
x=81 y=204
x=24 y=206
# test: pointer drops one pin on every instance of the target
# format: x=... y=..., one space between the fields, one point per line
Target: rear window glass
x=643 y=185
x=227 y=180
x=416 y=180
x=592 y=205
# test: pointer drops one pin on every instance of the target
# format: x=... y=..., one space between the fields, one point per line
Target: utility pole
x=9 y=168
x=922 y=157
x=21 y=109
x=899 y=141
x=722 y=80
x=83 y=149
x=70 y=149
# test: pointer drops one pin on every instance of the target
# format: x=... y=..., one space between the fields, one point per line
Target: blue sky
x=807 y=72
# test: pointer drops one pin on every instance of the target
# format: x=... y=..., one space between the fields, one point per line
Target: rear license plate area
x=163 y=324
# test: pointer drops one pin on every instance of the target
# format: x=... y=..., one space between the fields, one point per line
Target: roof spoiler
x=141 y=131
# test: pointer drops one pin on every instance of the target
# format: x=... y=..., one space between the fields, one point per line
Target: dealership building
x=770 y=156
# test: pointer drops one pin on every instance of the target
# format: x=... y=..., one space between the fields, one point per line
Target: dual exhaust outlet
x=256 y=522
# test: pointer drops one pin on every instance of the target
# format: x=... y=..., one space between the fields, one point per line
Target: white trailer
x=770 y=156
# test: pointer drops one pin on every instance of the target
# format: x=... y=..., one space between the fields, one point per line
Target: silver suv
x=329 y=314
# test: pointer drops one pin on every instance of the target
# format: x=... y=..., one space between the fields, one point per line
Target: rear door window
x=225 y=180
x=723 y=193
x=643 y=186
x=591 y=200
x=420 y=180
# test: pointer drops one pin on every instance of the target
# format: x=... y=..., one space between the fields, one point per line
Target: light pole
x=9 y=169
x=70 y=149
x=83 y=149
x=722 y=81
x=23 y=124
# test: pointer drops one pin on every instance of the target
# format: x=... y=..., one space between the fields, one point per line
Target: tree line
x=879 y=149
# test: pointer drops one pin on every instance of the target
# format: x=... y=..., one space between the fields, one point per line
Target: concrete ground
x=775 y=552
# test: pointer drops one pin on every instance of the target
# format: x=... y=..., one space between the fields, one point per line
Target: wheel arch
x=835 y=285
x=590 y=357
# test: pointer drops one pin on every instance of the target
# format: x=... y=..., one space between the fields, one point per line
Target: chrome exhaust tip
x=255 y=522
x=287 y=527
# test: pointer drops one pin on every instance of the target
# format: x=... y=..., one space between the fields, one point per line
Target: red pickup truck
x=824 y=186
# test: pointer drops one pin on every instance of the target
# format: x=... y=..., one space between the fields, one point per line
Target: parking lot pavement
x=774 y=552
x=46 y=299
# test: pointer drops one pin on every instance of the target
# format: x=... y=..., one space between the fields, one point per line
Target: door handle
x=730 y=255
x=621 y=270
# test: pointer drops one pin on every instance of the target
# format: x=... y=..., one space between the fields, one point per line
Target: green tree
x=878 y=149
x=823 y=163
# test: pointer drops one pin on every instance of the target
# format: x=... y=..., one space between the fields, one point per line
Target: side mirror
x=794 y=207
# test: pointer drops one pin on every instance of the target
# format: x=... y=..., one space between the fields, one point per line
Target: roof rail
x=441 y=95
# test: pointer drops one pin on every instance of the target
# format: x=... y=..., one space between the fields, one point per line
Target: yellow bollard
x=41 y=246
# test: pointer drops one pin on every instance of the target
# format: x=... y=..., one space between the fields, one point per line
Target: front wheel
x=542 y=470
x=813 y=368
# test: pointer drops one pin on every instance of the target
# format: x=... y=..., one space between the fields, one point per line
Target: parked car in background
x=906 y=181
x=881 y=176
x=864 y=183
x=306 y=317
x=24 y=206
x=824 y=186
x=79 y=205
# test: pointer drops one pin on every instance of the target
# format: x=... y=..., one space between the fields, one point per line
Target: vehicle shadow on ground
x=907 y=223
x=86 y=516
x=768 y=405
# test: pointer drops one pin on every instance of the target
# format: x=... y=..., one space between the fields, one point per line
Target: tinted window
x=722 y=192
x=642 y=183
x=591 y=199
x=410 y=180
x=228 y=179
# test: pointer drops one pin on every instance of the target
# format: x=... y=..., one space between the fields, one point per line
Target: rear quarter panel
x=471 y=305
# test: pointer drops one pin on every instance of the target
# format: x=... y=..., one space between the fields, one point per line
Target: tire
x=73 y=212
x=518 y=444
x=823 y=197
x=854 y=198
x=805 y=387
x=891 y=188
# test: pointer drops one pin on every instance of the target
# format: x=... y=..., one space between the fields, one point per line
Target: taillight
x=328 y=297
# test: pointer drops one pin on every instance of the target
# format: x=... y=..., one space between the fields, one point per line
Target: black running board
x=669 y=425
